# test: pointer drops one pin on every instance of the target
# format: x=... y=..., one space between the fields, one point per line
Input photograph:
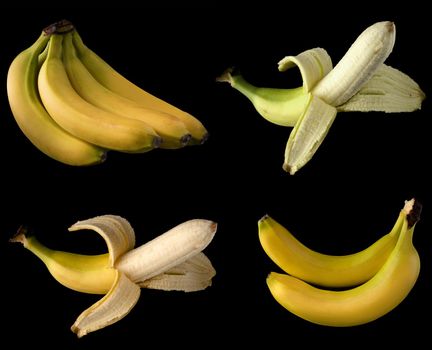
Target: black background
x=348 y=196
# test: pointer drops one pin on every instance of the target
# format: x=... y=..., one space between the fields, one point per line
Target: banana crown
x=172 y=261
x=359 y=82
x=382 y=274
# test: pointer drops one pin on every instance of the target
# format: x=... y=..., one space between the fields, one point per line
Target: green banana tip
x=20 y=236
x=61 y=27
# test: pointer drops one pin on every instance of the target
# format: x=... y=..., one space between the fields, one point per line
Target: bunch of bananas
x=74 y=107
x=379 y=277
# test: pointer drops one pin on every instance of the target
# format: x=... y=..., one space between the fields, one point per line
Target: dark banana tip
x=184 y=140
x=414 y=215
x=157 y=141
x=204 y=138
x=61 y=27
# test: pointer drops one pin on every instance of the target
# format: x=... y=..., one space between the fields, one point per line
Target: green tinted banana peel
x=172 y=261
x=359 y=82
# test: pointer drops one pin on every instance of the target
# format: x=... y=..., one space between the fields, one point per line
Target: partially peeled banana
x=172 y=261
x=359 y=82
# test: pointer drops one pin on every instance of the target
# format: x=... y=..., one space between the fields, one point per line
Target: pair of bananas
x=380 y=276
x=74 y=107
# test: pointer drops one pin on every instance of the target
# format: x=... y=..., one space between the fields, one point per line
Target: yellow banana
x=82 y=273
x=325 y=270
x=81 y=118
x=172 y=261
x=362 y=304
x=118 y=84
x=32 y=117
x=173 y=132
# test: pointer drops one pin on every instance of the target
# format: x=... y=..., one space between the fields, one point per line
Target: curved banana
x=321 y=269
x=172 y=261
x=32 y=118
x=118 y=84
x=81 y=118
x=362 y=304
x=82 y=273
x=359 y=82
x=279 y=106
x=173 y=132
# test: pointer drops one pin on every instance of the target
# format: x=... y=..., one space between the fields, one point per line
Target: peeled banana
x=389 y=280
x=75 y=108
x=172 y=261
x=359 y=82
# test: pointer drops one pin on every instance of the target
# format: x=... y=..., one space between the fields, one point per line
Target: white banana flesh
x=184 y=241
x=357 y=66
x=170 y=262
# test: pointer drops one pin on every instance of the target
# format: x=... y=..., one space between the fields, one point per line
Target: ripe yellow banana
x=172 y=261
x=359 y=82
x=118 y=84
x=34 y=120
x=82 y=273
x=362 y=304
x=83 y=119
x=173 y=132
x=321 y=269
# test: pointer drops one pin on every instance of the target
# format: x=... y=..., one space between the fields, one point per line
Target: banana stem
x=59 y=27
x=413 y=211
x=31 y=243
x=55 y=46
x=238 y=82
